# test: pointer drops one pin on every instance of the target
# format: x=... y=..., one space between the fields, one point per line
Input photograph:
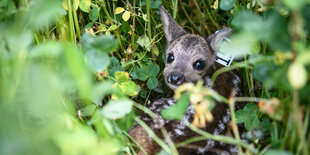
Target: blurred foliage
x=71 y=71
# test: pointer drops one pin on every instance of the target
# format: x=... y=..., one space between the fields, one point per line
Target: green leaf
x=117 y=108
x=98 y=61
x=154 y=4
x=100 y=90
x=114 y=67
x=104 y=43
x=152 y=82
x=277 y=37
x=140 y=73
x=94 y=14
x=3 y=3
x=153 y=69
x=121 y=76
x=248 y=115
x=240 y=45
x=88 y=110
x=145 y=42
x=295 y=5
x=143 y=93
x=113 y=27
x=85 y=5
x=177 y=110
x=127 y=122
x=125 y=27
x=129 y=88
x=277 y=152
x=249 y=21
x=227 y=4
x=75 y=61
x=47 y=50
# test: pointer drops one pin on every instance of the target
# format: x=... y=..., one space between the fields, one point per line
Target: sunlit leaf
x=117 y=108
x=119 y=10
x=76 y=4
x=304 y=58
x=65 y=4
x=126 y=15
x=130 y=88
x=145 y=42
x=297 y=75
x=85 y=5
x=294 y=4
x=121 y=76
x=240 y=45
x=113 y=27
x=215 y=4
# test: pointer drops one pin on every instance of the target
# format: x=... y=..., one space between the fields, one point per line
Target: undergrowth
x=75 y=74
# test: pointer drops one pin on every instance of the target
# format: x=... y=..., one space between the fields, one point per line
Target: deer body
x=190 y=58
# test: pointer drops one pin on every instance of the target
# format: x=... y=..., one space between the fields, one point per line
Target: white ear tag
x=224 y=59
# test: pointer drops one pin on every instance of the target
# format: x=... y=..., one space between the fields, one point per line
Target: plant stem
x=140 y=147
x=241 y=65
x=148 y=16
x=201 y=20
x=221 y=138
x=233 y=121
x=153 y=135
x=210 y=17
x=133 y=23
x=70 y=21
x=232 y=67
x=175 y=8
x=76 y=23
x=189 y=19
x=116 y=31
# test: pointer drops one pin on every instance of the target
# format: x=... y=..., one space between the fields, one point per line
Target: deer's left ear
x=216 y=38
x=171 y=28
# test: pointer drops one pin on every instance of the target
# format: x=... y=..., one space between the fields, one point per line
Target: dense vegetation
x=74 y=74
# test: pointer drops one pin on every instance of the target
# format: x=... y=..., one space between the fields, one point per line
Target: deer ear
x=216 y=38
x=171 y=28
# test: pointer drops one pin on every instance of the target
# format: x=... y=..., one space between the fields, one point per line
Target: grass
x=58 y=81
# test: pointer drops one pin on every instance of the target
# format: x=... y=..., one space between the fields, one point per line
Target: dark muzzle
x=175 y=78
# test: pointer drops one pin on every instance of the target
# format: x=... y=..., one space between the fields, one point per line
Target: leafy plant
x=75 y=69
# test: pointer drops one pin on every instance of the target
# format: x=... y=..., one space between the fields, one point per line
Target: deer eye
x=170 y=58
x=199 y=65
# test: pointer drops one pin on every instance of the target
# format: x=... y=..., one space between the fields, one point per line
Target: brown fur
x=187 y=49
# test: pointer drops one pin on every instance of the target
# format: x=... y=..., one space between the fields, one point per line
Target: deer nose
x=176 y=78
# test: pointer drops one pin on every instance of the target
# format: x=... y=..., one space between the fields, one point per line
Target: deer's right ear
x=216 y=38
x=171 y=28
